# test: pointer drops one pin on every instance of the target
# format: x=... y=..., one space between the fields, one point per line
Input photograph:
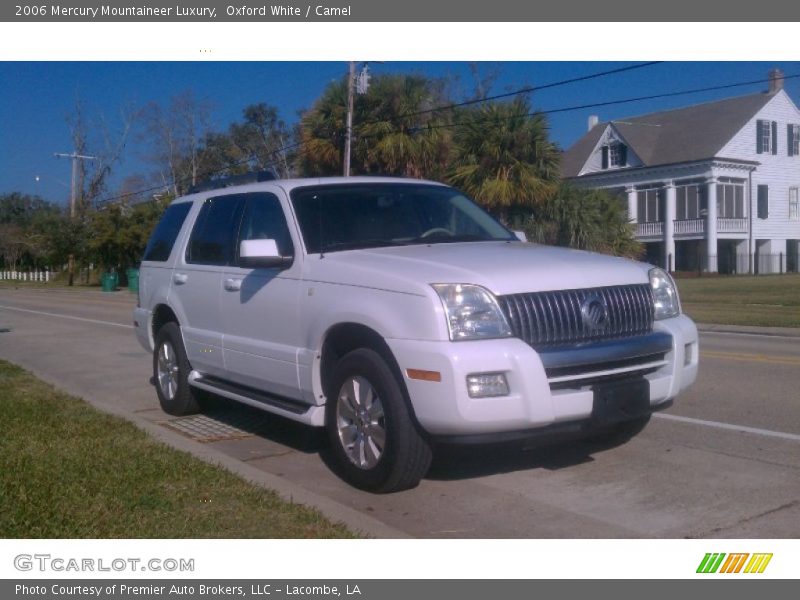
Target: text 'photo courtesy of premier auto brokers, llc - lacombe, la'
x=106 y=10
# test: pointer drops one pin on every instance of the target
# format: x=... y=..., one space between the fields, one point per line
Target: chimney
x=775 y=81
x=594 y=119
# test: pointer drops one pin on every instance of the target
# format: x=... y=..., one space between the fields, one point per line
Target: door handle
x=233 y=285
x=180 y=278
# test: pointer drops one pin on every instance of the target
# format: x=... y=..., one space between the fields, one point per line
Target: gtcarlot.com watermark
x=57 y=564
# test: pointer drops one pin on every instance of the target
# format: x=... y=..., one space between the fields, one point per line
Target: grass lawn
x=70 y=471
x=763 y=300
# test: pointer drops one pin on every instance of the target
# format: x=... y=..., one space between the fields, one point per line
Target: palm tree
x=392 y=132
x=504 y=158
x=400 y=135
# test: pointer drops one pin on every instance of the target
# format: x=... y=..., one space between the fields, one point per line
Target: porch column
x=669 y=226
x=711 y=226
x=633 y=204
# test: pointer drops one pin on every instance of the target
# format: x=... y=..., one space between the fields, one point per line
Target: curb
x=785 y=332
x=334 y=511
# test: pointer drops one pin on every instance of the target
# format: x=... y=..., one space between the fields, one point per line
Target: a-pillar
x=711 y=226
x=669 y=226
x=633 y=205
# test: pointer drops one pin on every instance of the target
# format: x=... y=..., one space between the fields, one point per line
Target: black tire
x=620 y=432
x=183 y=401
x=405 y=456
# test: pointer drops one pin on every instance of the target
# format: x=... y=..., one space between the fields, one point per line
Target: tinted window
x=345 y=217
x=214 y=234
x=166 y=232
x=264 y=219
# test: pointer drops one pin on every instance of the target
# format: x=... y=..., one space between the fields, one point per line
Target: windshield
x=372 y=215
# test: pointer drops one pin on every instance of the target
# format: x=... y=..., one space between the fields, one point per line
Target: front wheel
x=376 y=444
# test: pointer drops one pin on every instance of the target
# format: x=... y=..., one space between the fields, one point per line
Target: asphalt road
x=723 y=462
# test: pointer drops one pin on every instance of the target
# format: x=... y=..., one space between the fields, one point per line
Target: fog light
x=687 y=354
x=484 y=385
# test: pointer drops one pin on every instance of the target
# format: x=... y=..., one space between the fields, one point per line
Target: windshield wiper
x=361 y=244
x=449 y=239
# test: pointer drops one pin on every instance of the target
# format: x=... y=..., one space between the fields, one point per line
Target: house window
x=650 y=205
x=766 y=137
x=763 y=201
x=615 y=155
x=690 y=201
x=730 y=199
x=794 y=207
x=793 y=140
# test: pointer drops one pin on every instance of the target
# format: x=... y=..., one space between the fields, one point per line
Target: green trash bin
x=108 y=282
x=133 y=280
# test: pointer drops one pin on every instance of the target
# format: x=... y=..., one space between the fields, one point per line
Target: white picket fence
x=42 y=276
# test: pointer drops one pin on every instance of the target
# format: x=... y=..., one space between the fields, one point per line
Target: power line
x=205 y=174
x=526 y=90
x=593 y=105
x=488 y=120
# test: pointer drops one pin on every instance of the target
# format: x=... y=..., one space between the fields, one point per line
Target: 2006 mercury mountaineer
x=397 y=313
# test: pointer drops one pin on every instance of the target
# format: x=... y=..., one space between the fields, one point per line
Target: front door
x=260 y=306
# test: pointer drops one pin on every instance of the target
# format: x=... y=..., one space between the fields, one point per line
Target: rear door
x=197 y=281
x=260 y=306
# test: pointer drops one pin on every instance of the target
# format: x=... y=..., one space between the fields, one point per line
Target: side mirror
x=262 y=254
x=521 y=236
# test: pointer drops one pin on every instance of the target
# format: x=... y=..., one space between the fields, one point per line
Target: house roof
x=672 y=136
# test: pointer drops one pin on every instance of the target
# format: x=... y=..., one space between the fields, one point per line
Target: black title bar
x=407 y=11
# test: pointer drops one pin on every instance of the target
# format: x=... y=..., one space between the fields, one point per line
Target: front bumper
x=544 y=391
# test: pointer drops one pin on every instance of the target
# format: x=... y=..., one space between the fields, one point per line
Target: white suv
x=397 y=313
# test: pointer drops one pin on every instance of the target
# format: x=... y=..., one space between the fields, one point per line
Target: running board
x=287 y=407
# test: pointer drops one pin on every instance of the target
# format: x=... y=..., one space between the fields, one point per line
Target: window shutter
x=763 y=201
x=774 y=139
x=759 y=136
x=623 y=155
x=605 y=157
x=790 y=139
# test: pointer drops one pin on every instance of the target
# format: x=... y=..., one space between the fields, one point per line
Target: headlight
x=665 y=295
x=472 y=312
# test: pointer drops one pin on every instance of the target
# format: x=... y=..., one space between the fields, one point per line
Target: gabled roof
x=673 y=136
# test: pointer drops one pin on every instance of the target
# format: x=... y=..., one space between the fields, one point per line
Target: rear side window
x=214 y=234
x=166 y=232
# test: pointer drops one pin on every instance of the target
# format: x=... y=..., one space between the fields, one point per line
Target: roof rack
x=223 y=182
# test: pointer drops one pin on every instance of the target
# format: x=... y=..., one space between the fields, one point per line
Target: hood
x=501 y=267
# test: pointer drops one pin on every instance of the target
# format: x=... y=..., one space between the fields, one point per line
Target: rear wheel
x=376 y=444
x=171 y=372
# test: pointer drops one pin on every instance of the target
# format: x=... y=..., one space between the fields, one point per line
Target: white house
x=712 y=186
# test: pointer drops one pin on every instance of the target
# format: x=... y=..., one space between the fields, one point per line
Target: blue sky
x=36 y=98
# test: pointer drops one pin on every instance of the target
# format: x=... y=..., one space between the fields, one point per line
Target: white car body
x=265 y=329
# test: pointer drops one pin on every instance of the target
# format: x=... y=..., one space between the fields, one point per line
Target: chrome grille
x=544 y=319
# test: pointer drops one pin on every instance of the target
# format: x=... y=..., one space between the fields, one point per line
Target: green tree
x=256 y=143
x=504 y=158
x=583 y=218
x=119 y=232
x=392 y=133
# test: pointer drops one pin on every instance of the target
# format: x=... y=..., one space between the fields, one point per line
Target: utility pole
x=73 y=198
x=354 y=86
x=351 y=82
x=74 y=193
